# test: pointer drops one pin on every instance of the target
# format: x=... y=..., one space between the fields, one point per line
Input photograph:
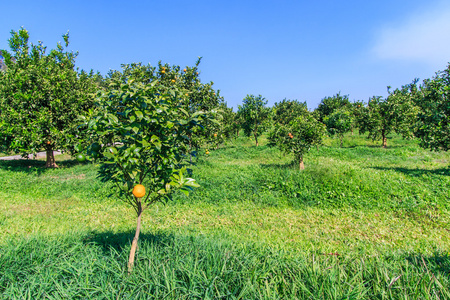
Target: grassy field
x=360 y=222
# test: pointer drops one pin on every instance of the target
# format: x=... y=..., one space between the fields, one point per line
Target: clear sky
x=304 y=50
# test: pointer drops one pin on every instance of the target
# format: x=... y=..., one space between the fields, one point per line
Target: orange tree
x=396 y=113
x=432 y=126
x=298 y=136
x=41 y=97
x=142 y=139
x=253 y=115
x=283 y=113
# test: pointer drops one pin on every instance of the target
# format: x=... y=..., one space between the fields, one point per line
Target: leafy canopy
x=433 y=120
x=41 y=96
x=329 y=104
x=196 y=94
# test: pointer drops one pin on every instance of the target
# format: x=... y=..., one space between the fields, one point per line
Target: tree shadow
x=121 y=240
x=289 y=165
x=416 y=172
x=436 y=263
x=35 y=165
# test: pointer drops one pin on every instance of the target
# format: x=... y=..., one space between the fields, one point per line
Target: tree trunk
x=302 y=166
x=51 y=163
x=135 y=240
x=255 y=133
x=190 y=148
x=384 y=139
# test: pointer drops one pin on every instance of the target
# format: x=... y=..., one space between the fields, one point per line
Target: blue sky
x=304 y=50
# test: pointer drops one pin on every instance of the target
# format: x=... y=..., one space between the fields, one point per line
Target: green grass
x=361 y=222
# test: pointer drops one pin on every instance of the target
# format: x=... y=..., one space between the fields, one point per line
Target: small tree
x=432 y=126
x=396 y=113
x=339 y=122
x=253 y=114
x=41 y=97
x=283 y=113
x=144 y=132
x=299 y=136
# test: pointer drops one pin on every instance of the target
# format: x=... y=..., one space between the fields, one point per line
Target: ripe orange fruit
x=173 y=80
x=163 y=72
x=184 y=70
x=139 y=191
x=215 y=134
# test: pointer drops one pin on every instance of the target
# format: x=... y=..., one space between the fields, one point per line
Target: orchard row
x=144 y=124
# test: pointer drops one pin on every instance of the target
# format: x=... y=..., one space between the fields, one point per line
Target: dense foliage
x=329 y=104
x=286 y=110
x=339 y=122
x=196 y=95
x=433 y=121
x=41 y=97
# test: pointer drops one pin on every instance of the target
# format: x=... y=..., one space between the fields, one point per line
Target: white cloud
x=423 y=38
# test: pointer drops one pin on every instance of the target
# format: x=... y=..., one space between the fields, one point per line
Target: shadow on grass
x=33 y=165
x=289 y=165
x=121 y=240
x=435 y=263
x=417 y=172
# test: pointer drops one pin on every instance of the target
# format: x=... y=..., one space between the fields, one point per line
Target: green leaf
x=139 y=114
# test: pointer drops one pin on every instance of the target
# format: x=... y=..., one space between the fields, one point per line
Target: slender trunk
x=135 y=240
x=302 y=166
x=51 y=163
x=190 y=148
x=383 y=134
x=255 y=133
